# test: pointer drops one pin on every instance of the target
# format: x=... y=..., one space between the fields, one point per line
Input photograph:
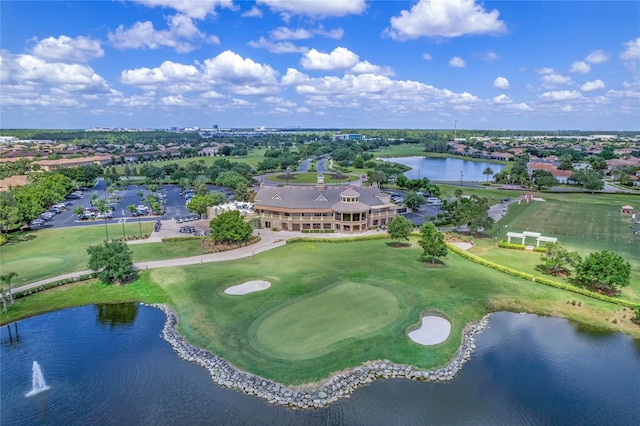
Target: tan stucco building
x=323 y=208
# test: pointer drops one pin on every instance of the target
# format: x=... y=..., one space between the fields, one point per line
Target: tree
x=400 y=229
x=200 y=188
x=558 y=260
x=488 y=171
x=112 y=260
x=134 y=210
x=458 y=193
x=242 y=192
x=230 y=227
x=605 y=271
x=199 y=203
x=78 y=211
x=432 y=241
x=566 y=163
x=9 y=211
x=413 y=200
x=6 y=279
x=103 y=209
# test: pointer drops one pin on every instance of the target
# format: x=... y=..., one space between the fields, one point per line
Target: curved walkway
x=268 y=241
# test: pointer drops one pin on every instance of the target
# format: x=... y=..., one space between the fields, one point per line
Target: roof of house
x=310 y=198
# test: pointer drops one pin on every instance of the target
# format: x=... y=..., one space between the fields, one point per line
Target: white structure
x=539 y=237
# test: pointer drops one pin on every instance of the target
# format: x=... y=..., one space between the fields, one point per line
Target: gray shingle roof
x=308 y=197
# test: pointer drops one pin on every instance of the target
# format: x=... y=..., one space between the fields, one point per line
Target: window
x=267 y=224
x=306 y=226
x=317 y=226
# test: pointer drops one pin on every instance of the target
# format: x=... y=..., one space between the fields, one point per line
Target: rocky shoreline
x=339 y=385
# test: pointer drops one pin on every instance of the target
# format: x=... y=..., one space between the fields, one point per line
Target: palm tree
x=6 y=279
x=132 y=208
x=4 y=300
x=489 y=172
x=103 y=208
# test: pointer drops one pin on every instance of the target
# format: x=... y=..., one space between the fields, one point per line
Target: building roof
x=13 y=181
x=310 y=198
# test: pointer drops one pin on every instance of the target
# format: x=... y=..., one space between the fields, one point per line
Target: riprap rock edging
x=337 y=386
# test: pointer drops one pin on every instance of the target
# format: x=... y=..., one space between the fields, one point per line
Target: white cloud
x=231 y=67
x=596 y=57
x=294 y=77
x=545 y=70
x=228 y=72
x=501 y=83
x=167 y=72
x=560 y=95
x=554 y=80
x=522 y=106
x=365 y=67
x=339 y=58
x=277 y=47
x=254 y=12
x=590 y=86
x=284 y=33
x=502 y=99
x=451 y=18
x=489 y=56
x=194 y=9
x=182 y=31
x=29 y=81
x=336 y=8
x=632 y=50
x=426 y=56
x=567 y=108
x=67 y=49
x=581 y=67
x=457 y=62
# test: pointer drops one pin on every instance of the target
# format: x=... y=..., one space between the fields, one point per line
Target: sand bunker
x=432 y=331
x=248 y=287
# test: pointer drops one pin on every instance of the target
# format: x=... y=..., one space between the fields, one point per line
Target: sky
x=421 y=64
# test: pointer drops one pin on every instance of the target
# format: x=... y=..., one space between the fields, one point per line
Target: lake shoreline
x=313 y=395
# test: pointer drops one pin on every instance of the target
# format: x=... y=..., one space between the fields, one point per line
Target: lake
x=108 y=364
x=446 y=169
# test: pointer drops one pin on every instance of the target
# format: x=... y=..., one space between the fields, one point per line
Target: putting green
x=318 y=324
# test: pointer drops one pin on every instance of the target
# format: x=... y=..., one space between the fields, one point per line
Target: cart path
x=268 y=240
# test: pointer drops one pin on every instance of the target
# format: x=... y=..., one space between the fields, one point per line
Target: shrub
x=542 y=280
x=504 y=244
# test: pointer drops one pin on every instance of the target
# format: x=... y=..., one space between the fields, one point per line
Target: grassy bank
x=275 y=332
x=330 y=306
x=46 y=253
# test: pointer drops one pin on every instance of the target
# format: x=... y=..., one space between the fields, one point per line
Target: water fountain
x=37 y=381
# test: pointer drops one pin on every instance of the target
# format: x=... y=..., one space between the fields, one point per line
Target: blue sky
x=535 y=65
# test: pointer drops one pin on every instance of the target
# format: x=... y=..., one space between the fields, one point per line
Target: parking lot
x=175 y=204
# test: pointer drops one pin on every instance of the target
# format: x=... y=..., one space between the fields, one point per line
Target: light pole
x=460 y=177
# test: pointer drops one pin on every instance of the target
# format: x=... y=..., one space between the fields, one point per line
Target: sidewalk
x=268 y=240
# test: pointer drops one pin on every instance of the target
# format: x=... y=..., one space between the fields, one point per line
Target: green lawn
x=308 y=178
x=581 y=222
x=50 y=252
x=315 y=318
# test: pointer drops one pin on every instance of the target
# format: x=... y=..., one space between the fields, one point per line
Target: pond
x=108 y=364
x=447 y=169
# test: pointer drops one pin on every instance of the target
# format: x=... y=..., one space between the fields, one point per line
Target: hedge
x=542 y=280
x=338 y=240
x=53 y=284
x=177 y=239
x=514 y=246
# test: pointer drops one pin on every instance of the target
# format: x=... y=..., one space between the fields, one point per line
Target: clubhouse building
x=322 y=208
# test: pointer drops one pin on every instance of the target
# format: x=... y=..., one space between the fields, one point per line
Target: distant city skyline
x=422 y=64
